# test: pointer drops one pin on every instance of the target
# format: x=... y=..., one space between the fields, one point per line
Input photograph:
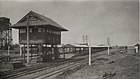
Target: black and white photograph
x=69 y=39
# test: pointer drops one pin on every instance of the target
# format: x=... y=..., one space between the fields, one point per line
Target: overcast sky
x=99 y=19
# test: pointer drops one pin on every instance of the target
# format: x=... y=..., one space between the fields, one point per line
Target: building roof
x=4 y=23
x=137 y=45
x=68 y=45
x=41 y=21
x=77 y=45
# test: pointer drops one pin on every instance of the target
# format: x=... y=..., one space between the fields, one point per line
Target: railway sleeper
x=69 y=71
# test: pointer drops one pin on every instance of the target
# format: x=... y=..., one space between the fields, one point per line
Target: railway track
x=57 y=71
x=16 y=74
x=61 y=70
x=47 y=71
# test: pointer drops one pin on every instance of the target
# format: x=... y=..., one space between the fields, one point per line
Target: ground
x=115 y=66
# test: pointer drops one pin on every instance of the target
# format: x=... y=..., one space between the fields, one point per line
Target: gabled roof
x=68 y=45
x=42 y=21
x=137 y=45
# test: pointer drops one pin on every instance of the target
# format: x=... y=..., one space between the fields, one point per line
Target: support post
x=20 y=50
x=108 y=50
x=69 y=50
x=80 y=50
x=8 y=51
x=39 y=47
x=74 y=50
x=52 y=52
x=63 y=52
x=136 y=49
x=31 y=52
x=24 y=54
x=28 y=60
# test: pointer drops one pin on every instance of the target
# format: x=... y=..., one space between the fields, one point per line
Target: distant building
x=137 y=48
x=138 y=45
x=73 y=48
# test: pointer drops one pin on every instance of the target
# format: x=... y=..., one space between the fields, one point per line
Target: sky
x=99 y=19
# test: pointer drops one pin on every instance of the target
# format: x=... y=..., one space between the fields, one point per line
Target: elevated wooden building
x=38 y=32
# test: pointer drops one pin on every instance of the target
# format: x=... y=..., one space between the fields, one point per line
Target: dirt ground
x=115 y=66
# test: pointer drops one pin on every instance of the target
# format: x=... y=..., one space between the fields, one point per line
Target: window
x=22 y=30
x=39 y=29
x=53 y=39
x=30 y=30
x=46 y=30
x=43 y=29
x=59 y=33
x=49 y=38
x=57 y=39
x=54 y=32
x=50 y=31
x=32 y=18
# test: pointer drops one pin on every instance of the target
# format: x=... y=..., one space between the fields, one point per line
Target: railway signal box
x=41 y=31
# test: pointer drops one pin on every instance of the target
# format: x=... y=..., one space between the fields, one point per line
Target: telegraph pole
x=28 y=61
x=89 y=53
x=108 y=44
x=87 y=42
x=85 y=39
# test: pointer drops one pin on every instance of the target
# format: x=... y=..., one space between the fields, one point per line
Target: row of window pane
x=41 y=30
x=53 y=39
x=22 y=30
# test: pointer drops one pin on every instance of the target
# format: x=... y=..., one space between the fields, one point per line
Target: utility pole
x=89 y=53
x=85 y=39
x=108 y=44
x=28 y=61
x=8 y=43
x=87 y=42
